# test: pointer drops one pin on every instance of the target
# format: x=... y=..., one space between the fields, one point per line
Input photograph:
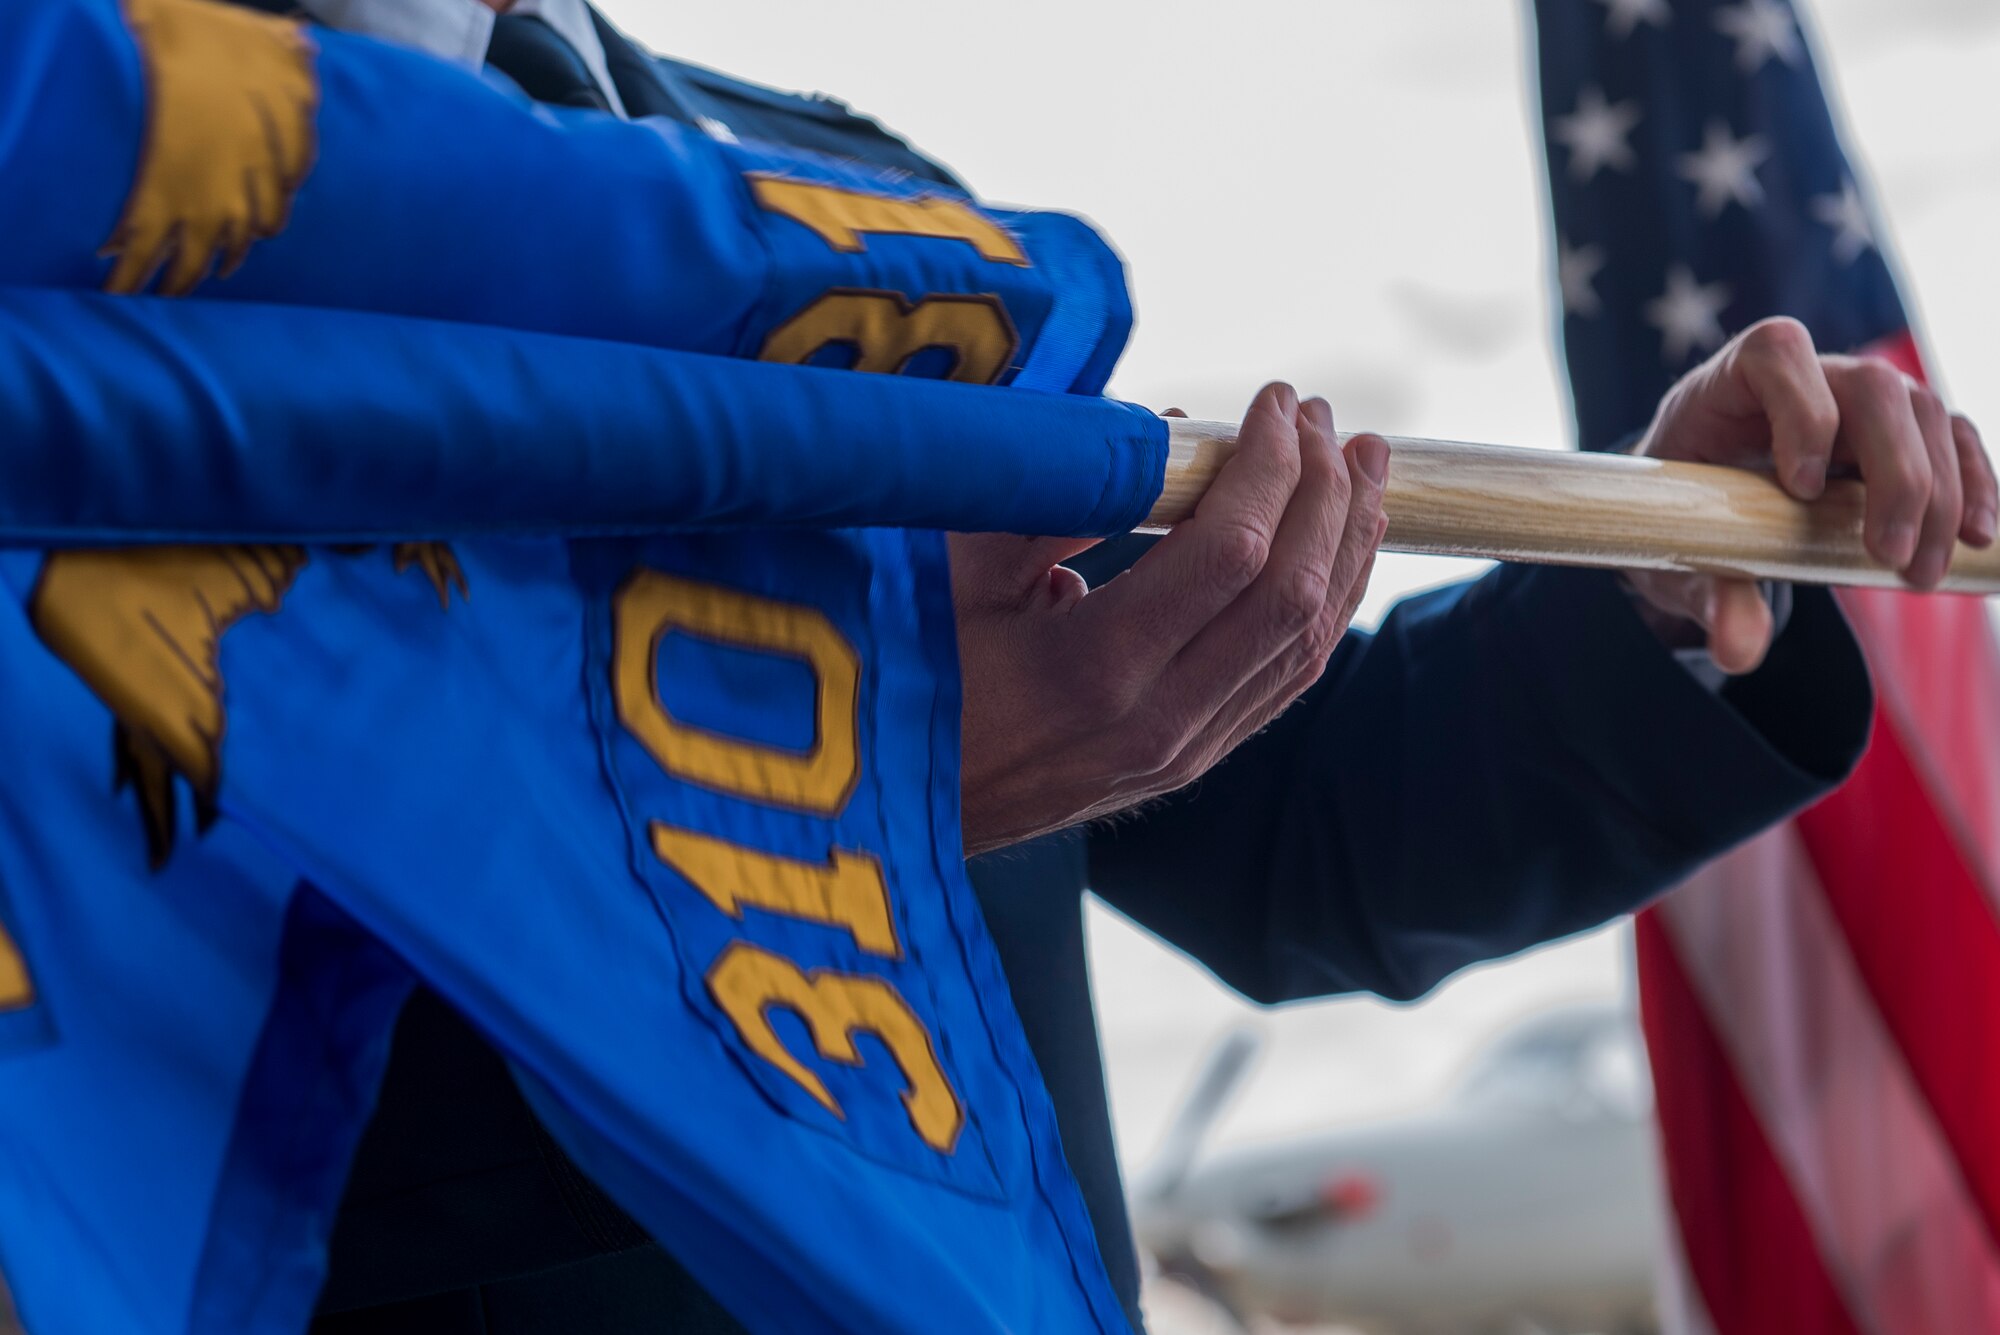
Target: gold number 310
x=847 y=892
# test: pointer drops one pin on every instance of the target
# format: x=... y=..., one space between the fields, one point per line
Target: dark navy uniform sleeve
x=1506 y=762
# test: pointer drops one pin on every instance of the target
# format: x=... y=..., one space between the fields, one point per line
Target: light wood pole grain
x=1609 y=510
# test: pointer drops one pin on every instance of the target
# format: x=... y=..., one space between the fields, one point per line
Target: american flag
x=1822 y=1007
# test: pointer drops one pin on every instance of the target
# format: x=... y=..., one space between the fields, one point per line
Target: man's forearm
x=1504 y=763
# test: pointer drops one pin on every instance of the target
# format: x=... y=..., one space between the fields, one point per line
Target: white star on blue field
x=1698 y=186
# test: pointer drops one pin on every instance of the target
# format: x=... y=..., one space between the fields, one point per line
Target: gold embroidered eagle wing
x=143 y=626
x=232 y=98
x=231 y=103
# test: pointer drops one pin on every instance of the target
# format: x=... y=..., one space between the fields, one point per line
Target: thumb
x=1732 y=613
x=1009 y=569
x=1044 y=558
x=1041 y=553
x=1739 y=625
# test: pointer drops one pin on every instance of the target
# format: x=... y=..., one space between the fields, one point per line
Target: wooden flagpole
x=1613 y=511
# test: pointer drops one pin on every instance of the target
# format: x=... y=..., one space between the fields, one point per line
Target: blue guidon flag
x=1821 y=1006
x=447 y=540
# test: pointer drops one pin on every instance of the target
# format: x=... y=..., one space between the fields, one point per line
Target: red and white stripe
x=1822 y=1009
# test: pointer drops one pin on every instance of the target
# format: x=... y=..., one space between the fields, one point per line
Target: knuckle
x=1104 y=693
x=1780 y=338
x=1236 y=555
x=1111 y=680
x=1298 y=600
x=1879 y=380
x=1822 y=418
x=1154 y=744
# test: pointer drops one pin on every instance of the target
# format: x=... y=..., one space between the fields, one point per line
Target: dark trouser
x=462 y=1216
x=639 y=1290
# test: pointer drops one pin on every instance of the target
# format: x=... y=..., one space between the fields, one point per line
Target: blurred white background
x=1347 y=194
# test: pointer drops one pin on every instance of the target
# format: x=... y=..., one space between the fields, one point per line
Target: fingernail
x=1372 y=453
x=1899 y=543
x=1809 y=479
x=1320 y=413
x=1983 y=523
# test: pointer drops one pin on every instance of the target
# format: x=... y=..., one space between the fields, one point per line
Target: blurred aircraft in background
x=1526 y=1201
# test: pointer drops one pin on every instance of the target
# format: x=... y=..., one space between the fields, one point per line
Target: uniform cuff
x=1706 y=768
